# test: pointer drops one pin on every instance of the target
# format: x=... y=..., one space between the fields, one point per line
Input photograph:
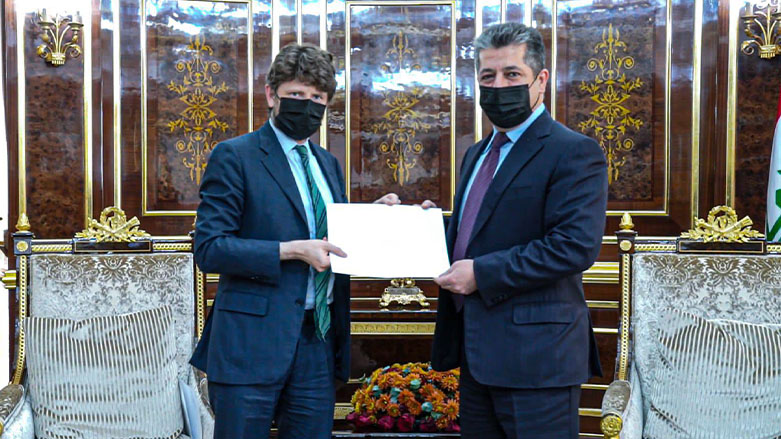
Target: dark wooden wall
x=125 y=124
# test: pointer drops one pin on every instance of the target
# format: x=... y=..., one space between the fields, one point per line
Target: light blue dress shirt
x=299 y=173
x=514 y=135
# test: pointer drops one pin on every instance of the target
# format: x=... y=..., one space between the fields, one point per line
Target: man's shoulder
x=565 y=140
x=240 y=143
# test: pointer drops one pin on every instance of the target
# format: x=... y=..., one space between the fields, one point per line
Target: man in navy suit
x=528 y=220
x=279 y=332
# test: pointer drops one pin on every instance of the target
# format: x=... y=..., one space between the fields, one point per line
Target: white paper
x=387 y=241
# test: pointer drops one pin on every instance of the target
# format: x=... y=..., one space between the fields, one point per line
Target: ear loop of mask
x=538 y=94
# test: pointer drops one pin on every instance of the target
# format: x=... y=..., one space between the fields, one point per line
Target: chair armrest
x=613 y=407
x=11 y=401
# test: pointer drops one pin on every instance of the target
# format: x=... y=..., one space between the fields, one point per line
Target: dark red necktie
x=474 y=200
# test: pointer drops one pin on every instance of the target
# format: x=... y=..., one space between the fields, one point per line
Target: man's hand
x=390 y=199
x=460 y=278
x=314 y=252
x=428 y=204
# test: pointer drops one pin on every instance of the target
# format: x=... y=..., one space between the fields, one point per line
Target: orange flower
x=451 y=410
x=385 y=381
x=382 y=402
x=414 y=407
x=427 y=390
x=394 y=410
x=406 y=396
x=442 y=423
x=450 y=383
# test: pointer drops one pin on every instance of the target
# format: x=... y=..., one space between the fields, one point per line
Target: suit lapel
x=469 y=165
x=522 y=151
x=277 y=165
x=329 y=172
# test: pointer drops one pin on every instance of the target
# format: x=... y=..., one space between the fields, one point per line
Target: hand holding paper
x=387 y=241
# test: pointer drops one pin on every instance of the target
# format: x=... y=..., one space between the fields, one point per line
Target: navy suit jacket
x=249 y=204
x=539 y=227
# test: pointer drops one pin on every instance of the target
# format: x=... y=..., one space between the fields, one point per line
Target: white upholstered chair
x=699 y=352
x=135 y=305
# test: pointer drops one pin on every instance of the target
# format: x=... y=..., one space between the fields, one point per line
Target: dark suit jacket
x=539 y=227
x=249 y=203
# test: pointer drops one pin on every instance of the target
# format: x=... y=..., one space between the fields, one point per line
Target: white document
x=387 y=241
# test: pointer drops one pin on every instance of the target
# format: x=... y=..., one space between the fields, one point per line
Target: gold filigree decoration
x=403 y=291
x=401 y=123
x=23 y=223
x=722 y=226
x=198 y=122
x=55 y=47
x=611 y=426
x=610 y=90
x=116 y=228
x=762 y=24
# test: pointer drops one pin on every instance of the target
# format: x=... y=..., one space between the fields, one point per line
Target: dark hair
x=306 y=63
x=507 y=34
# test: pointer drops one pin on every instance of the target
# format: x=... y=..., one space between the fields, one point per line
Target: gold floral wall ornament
x=762 y=24
x=610 y=90
x=198 y=89
x=115 y=228
x=722 y=226
x=401 y=123
x=55 y=45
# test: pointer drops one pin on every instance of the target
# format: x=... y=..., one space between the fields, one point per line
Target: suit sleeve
x=575 y=221
x=218 y=248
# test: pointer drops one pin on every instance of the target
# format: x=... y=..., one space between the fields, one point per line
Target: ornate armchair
x=699 y=352
x=106 y=324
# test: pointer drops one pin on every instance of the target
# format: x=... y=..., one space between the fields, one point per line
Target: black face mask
x=506 y=107
x=299 y=118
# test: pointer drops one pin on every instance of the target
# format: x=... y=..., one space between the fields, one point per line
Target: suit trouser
x=302 y=405
x=489 y=412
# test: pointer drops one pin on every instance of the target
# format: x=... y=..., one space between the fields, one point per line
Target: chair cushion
x=713 y=379
x=104 y=377
x=81 y=286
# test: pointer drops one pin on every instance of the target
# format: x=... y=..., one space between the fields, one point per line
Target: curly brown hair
x=306 y=63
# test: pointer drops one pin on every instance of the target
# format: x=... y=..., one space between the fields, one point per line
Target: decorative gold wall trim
x=391 y=328
x=21 y=107
x=667 y=82
x=9 y=279
x=401 y=123
x=21 y=94
x=732 y=102
x=117 y=108
x=55 y=49
x=145 y=211
x=606 y=331
x=602 y=304
x=453 y=93
x=696 y=106
x=610 y=89
x=602 y=273
x=198 y=89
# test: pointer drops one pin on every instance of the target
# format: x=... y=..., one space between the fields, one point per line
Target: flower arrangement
x=409 y=397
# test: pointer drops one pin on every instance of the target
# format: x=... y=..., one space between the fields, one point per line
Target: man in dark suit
x=278 y=333
x=528 y=220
